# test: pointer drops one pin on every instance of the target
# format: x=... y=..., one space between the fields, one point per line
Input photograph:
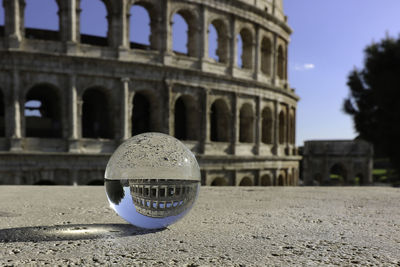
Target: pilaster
x=256 y=56
x=73 y=144
x=124 y=102
x=15 y=115
x=276 y=128
x=14 y=22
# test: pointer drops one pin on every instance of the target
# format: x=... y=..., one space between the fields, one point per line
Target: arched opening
x=140 y=26
x=245 y=49
x=93 y=23
x=45 y=182
x=359 y=179
x=217 y=41
x=41 y=20
x=246 y=181
x=266 y=180
x=337 y=174
x=43 y=112
x=220 y=121
x=96 y=114
x=144 y=113
x=266 y=56
x=184 y=33
x=281 y=180
x=281 y=63
x=219 y=181
x=282 y=128
x=266 y=127
x=2 y=115
x=186 y=118
x=246 y=121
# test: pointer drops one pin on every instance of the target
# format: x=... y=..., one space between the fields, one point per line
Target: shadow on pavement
x=71 y=232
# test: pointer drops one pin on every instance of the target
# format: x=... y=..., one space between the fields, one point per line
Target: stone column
x=256 y=53
x=234 y=124
x=276 y=128
x=14 y=114
x=120 y=27
x=165 y=33
x=168 y=126
x=124 y=102
x=73 y=115
x=203 y=37
x=233 y=45
x=258 y=121
x=14 y=22
x=69 y=23
x=205 y=122
x=274 y=60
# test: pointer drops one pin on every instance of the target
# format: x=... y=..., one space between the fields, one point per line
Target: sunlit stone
x=152 y=180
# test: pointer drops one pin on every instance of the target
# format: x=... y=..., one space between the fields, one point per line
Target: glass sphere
x=152 y=180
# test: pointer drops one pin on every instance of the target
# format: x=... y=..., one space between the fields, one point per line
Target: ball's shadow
x=71 y=232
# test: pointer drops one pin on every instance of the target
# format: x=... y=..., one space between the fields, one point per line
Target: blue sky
x=327 y=43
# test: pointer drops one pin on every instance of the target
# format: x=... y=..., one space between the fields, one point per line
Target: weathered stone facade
x=349 y=160
x=96 y=92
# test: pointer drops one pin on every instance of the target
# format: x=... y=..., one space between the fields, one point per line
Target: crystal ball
x=152 y=180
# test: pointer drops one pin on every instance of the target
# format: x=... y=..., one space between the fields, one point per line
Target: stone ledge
x=239 y=226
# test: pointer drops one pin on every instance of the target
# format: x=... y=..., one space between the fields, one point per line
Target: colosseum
x=68 y=99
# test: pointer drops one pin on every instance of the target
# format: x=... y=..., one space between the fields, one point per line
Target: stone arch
x=43 y=112
x=41 y=23
x=245 y=52
x=186 y=122
x=282 y=127
x=281 y=180
x=246 y=181
x=266 y=56
x=97 y=113
x=267 y=126
x=222 y=42
x=220 y=120
x=219 y=181
x=190 y=19
x=95 y=13
x=281 y=63
x=2 y=114
x=149 y=20
x=338 y=174
x=246 y=121
x=266 y=180
x=145 y=113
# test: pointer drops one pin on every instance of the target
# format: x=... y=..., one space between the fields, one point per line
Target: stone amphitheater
x=94 y=92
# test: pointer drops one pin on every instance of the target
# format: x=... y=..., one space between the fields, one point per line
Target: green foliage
x=374 y=100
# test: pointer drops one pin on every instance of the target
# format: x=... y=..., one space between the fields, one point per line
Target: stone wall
x=96 y=92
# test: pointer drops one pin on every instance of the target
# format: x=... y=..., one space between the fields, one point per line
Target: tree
x=374 y=100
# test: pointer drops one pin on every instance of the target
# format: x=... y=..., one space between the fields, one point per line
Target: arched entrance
x=246 y=181
x=337 y=174
x=219 y=181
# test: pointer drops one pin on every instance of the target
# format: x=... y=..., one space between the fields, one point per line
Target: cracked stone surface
x=229 y=226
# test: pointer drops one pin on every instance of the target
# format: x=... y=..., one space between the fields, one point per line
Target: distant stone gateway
x=337 y=162
x=67 y=99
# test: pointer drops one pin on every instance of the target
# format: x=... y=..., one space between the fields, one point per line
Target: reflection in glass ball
x=152 y=180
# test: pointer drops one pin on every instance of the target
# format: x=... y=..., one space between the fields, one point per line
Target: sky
x=327 y=43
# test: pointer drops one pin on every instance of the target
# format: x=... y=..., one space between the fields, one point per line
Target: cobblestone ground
x=229 y=226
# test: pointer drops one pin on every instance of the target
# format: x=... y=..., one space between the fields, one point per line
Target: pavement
x=228 y=226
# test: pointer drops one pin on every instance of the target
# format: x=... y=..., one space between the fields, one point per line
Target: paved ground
x=228 y=226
